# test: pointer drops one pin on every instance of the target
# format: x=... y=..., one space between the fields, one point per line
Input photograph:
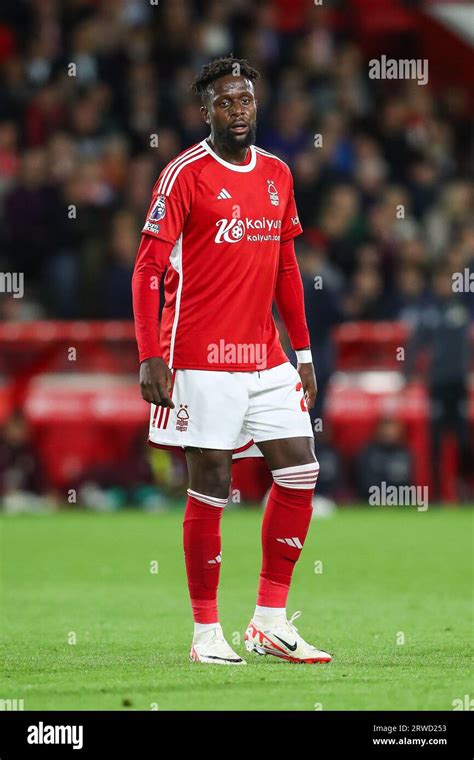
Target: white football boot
x=212 y=648
x=280 y=638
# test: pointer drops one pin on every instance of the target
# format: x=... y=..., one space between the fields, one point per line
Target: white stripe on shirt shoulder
x=175 y=161
x=174 y=167
x=272 y=155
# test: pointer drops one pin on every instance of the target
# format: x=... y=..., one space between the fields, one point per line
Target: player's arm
x=289 y=297
x=150 y=263
x=170 y=204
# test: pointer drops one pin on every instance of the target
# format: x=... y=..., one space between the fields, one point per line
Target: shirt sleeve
x=170 y=204
x=289 y=297
x=151 y=261
x=290 y=225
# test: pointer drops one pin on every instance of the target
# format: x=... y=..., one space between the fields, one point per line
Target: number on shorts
x=303 y=406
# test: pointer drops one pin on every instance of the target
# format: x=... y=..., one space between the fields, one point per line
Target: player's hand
x=156 y=381
x=310 y=386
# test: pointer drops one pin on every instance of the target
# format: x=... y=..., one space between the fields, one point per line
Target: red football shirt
x=226 y=222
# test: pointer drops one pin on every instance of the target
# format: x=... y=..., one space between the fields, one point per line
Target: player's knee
x=217 y=482
x=209 y=472
x=212 y=479
x=302 y=477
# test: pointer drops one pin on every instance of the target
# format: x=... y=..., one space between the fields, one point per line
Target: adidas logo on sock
x=223 y=195
x=215 y=561
x=291 y=542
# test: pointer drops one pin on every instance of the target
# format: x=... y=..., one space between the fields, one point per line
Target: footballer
x=222 y=220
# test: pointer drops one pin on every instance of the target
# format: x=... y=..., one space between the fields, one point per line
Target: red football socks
x=202 y=552
x=284 y=528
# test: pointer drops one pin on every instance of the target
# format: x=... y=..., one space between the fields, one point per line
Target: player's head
x=225 y=87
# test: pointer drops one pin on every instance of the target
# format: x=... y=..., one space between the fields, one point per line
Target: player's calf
x=284 y=529
x=203 y=556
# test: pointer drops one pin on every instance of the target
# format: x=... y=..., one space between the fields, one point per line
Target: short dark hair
x=218 y=68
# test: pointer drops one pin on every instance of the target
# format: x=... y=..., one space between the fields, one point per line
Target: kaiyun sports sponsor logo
x=258 y=230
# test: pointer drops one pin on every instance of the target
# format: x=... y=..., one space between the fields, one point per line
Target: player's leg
x=281 y=428
x=209 y=482
x=287 y=517
x=285 y=525
x=207 y=427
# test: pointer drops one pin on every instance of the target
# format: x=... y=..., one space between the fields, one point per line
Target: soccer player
x=222 y=220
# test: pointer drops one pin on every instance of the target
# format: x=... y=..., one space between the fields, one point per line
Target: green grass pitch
x=388 y=575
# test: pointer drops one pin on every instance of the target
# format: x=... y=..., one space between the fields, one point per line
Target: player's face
x=232 y=112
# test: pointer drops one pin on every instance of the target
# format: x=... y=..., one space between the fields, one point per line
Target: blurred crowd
x=85 y=88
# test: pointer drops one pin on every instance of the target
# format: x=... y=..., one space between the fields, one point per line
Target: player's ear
x=205 y=114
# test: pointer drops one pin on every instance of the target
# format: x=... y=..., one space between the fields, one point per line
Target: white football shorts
x=231 y=410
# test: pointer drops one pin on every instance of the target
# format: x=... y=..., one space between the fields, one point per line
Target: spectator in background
x=29 y=214
x=365 y=299
x=9 y=157
x=71 y=273
x=117 y=288
x=20 y=469
x=443 y=329
x=410 y=295
x=424 y=184
x=322 y=285
x=370 y=169
x=445 y=219
x=330 y=478
x=290 y=134
x=340 y=223
x=385 y=459
x=460 y=257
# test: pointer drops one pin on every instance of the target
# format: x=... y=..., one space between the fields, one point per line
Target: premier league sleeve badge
x=159 y=209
